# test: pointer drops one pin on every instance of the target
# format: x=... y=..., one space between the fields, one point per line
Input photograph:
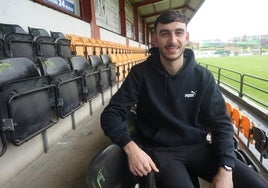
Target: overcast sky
x=222 y=19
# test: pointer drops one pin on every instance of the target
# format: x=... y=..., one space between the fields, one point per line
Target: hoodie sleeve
x=214 y=114
x=115 y=113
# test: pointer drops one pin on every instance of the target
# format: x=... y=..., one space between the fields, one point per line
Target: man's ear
x=154 y=40
x=187 y=37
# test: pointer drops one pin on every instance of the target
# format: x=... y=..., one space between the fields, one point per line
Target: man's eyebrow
x=166 y=30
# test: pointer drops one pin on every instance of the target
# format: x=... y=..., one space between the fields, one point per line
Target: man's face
x=171 y=40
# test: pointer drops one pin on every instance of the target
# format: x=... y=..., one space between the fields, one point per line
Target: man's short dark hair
x=170 y=16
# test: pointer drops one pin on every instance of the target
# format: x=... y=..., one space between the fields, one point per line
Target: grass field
x=250 y=65
x=256 y=65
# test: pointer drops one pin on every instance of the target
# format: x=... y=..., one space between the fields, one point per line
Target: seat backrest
x=106 y=59
x=45 y=45
x=53 y=65
x=63 y=44
x=94 y=60
x=10 y=28
x=57 y=35
x=260 y=138
x=79 y=63
x=17 y=43
x=109 y=169
x=246 y=125
x=229 y=109
x=16 y=68
x=236 y=117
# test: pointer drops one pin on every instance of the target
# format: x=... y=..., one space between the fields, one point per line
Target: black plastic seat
x=104 y=71
x=45 y=45
x=106 y=60
x=17 y=43
x=109 y=169
x=27 y=100
x=89 y=75
x=62 y=44
x=260 y=142
x=2 y=50
x=67 y=81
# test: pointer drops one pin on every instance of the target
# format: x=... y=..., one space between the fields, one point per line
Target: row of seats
x=82 y=45
x=16 y=42
x=249 y=130
x=42 y=80
x=34 y=97
x=37 y=42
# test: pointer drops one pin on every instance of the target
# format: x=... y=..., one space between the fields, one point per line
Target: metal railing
x=244 y=85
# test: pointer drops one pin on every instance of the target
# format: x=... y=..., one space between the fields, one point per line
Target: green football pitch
x=256 y=65
x=250 y=65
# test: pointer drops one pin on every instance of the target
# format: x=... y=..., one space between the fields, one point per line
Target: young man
x=178 y=104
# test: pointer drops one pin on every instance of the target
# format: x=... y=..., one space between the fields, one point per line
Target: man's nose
x=172 y=38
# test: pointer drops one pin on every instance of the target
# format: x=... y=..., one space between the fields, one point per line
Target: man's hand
x=140 y=164
x=223 y=179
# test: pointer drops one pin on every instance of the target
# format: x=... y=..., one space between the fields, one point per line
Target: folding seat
x=17 y=43
x=229 y=108
x=245 y=125
x=44 y=44
x=236 y=116
x=109 y=169
x=89 y=77
x=62 y=43
x=261 y=142
x=106 y=60
x=88 y=44
x=27 y=100
x=67 y=82
x=104 y=71
x=77 y=45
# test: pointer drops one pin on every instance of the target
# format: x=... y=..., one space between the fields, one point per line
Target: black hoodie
x=172 y=110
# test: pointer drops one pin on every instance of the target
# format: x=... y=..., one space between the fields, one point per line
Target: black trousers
x=179 y=167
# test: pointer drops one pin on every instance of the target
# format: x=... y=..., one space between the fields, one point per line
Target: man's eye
x=179 y=33
x=164 y=34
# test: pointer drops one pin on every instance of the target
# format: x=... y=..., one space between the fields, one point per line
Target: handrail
x=242 y=84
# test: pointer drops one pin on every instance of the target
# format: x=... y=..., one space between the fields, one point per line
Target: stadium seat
x=27 y=106
x=229 y=108
x=236 y=116
x=68 y=84
x=89 y=76
x=106 y=60
x=260 y=142
x=17 y=43
x=109 y=169
x=44 y=44
x=62 y=44
x=104 y=82
x=245 y=125
x=77 y=44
